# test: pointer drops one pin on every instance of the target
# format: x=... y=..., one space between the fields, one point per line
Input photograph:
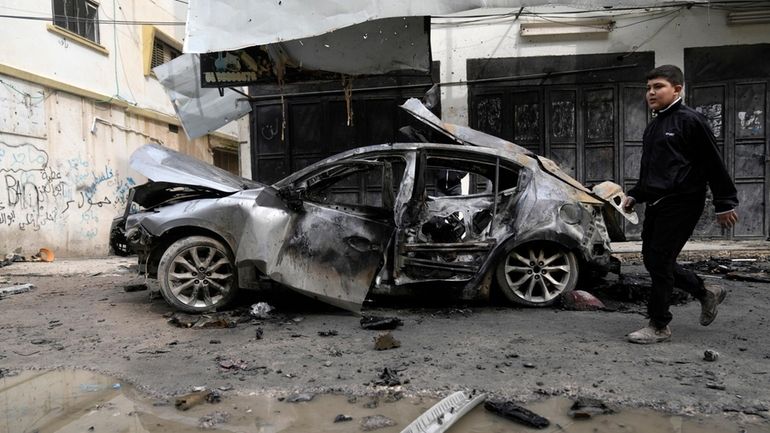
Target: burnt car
x=380 y=219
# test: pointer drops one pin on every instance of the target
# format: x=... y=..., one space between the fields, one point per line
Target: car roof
x=402 y=147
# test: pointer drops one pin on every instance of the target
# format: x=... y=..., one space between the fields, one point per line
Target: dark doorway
x=729 y=85
x=319 y=121
x=585 y=112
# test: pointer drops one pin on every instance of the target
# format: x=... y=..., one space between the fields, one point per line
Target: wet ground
x=81 y=319
x=79 y=401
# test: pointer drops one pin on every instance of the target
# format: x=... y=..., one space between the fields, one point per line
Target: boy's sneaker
x=709 y=303
x=649 y=335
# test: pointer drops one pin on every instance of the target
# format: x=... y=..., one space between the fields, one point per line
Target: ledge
x=78 y=39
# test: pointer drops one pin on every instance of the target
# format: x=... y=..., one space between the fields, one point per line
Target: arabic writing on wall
x=36 y=192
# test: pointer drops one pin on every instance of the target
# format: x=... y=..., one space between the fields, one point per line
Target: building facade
x=77 y=97
x=566 y=83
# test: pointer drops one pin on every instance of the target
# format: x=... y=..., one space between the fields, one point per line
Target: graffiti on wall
x=36 y=192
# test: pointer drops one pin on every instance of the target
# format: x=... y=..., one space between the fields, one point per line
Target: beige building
x=77 y=96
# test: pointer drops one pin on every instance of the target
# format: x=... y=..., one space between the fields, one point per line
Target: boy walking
x=679 y=158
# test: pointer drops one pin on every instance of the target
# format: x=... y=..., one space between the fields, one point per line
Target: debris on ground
x=585 y=408
x=138 y=287
x=213 y=397
x=580 y=300
x=751 y=277
x=43 y=255
x=385 y=341
x=229 y=364
x=211 y=420
x=342 y=418
x=380 y=323
x=630 y=292
x=329 y=333
x=514 y=412
x=300 y=397
x=375 y=422
x=710 y=355
x=215 y=320
x=258 y=333
x=389 y=377
x=442 y=415
x=261 y=310
x=14 y=290
x=195 y=398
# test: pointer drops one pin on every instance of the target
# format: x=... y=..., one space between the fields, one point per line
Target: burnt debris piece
x=217 y=320
x=389 y=377
x=380 y=323
x=516 y=413
x=585 y=407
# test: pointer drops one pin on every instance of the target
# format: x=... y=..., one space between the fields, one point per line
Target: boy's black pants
x=668 y=225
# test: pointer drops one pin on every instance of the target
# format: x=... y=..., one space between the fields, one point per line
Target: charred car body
x=377 y=219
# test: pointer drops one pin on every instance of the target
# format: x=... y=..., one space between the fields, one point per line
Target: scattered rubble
x=187 y=401
x=43 y=255
x=585 y=408
x=514 y=412
x=228 y=364
x=211 y=420
x=329 y=333
x=215 y=320
x=343 y=418
x=385 y=341
x=14 y=290
x=300 y=397
x=380 y=323
x=710 y=355
x=261 y=310
x=375 y=422
x=389 y=377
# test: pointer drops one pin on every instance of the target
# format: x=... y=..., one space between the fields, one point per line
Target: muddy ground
x=80 y=315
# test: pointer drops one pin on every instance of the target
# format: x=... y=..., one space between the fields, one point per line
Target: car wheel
x=197 y=274
x=536 y=274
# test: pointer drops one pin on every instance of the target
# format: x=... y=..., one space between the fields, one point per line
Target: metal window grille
x=78 y=16
x=162 y=53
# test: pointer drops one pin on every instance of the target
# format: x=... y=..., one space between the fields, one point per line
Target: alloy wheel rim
x=537 y=274
x=200 y=276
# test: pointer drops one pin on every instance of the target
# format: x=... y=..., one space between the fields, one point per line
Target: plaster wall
x=666 y=32
x=63 y=179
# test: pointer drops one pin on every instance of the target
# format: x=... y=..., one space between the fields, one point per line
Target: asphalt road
x=80 y=316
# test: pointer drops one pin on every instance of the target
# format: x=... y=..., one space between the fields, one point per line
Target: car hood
x=161 y=164
x=608 y=192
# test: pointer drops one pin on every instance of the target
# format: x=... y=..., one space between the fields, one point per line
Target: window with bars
x=162 y=53
x=77 y=16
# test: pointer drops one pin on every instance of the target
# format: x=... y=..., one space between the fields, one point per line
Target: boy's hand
x=727 y=219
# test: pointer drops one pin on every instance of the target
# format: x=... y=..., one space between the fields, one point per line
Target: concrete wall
x=71 y=113
x=666 y=32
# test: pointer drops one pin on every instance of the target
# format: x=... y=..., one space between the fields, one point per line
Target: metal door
x=737 y=114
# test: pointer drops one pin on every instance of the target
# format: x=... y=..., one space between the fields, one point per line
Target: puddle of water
x=66 y=401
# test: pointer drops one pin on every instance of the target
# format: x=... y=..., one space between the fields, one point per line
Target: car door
x=331 y=229
x=449 y=230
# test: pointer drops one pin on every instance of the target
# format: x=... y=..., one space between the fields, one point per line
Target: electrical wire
x=115 y=22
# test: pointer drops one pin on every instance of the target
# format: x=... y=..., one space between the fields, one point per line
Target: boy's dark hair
x=670 y=73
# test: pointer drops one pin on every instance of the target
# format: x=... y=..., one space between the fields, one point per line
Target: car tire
x=536 y=274
x=197 y=274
